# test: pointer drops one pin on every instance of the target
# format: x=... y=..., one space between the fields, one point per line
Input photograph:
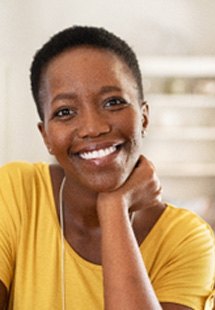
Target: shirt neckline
x=69 y=249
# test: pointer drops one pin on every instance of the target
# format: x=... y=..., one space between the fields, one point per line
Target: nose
x=93 y=124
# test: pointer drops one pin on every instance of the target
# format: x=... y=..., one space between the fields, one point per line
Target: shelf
x=186 y=170
x=178 y=66
x=182 y=101
x=198 y=134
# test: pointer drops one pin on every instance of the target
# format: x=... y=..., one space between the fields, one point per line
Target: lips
x=98 y=153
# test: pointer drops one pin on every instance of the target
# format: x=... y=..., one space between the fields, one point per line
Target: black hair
x=74 y=37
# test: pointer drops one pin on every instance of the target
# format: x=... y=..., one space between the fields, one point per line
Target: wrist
x=112 y=210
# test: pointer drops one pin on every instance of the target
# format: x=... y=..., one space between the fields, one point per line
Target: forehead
x=86 y=54
x=87 y=63
x=84 y=72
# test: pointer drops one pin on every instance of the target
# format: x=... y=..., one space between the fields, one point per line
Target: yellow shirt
x=179 y=252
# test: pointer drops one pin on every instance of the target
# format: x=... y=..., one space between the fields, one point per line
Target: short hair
x=77 y=36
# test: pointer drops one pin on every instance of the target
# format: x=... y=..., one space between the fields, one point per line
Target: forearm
x=126 y=282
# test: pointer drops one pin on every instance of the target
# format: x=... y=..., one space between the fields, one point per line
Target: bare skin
x=143 y=222
x=111 y=227
x=91 y=104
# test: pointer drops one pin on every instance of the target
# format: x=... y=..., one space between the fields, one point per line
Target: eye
x=115 y=103
x=64 y=113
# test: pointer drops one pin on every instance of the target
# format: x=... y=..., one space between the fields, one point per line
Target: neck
x=79 y=205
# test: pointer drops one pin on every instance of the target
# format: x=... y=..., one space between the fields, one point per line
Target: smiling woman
x=94 y=112
x=92 y=232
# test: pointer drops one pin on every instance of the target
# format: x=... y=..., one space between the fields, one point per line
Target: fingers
x=144 y=159
x=145 y=168
x=149 y=176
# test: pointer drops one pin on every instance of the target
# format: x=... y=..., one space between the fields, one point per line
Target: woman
x=91 y=231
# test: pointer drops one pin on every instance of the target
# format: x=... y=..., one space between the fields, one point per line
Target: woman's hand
x=126 y=281
x=141 y=190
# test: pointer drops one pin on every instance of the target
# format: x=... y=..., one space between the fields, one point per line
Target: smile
x=98 y=153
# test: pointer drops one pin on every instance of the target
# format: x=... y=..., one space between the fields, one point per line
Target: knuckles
x=142 y=189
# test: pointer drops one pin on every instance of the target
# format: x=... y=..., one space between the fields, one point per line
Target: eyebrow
x=63 y=96
x=71 y=96
x=108 y=89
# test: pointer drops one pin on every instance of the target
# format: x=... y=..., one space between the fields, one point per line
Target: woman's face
x=92 y=117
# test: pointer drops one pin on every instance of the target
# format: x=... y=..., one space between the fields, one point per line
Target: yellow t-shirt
x=179 y=252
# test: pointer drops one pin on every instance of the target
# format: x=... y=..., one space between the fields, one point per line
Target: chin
x=107 y=183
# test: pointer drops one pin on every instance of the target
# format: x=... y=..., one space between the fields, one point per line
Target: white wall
x=152 y=27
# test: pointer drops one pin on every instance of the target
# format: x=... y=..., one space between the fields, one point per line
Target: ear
x=42 y=130
x=145 y=117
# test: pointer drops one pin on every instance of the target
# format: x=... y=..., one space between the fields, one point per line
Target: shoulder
x=182 y=257
x=24 y=187
x=189 y=239
x=18 y=171
x=181 y=235
x=20 y=181
x=21 y=167
x=186 y=223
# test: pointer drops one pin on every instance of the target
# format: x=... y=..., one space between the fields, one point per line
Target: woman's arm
x=126 y=282
x=3 y=296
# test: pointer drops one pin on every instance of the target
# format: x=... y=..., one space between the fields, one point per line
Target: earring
x=50 y=150
x=144 y=133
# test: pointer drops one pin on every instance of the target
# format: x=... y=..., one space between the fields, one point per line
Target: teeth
x=98 y=154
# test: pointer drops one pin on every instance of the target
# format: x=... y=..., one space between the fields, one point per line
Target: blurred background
x=175 y=43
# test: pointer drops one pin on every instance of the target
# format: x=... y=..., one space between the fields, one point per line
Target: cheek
x=136 y=135
x=58 y=139
x=133 y=126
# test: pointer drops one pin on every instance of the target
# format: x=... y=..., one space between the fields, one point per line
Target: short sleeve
x=9 y=218
x=188 y=276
